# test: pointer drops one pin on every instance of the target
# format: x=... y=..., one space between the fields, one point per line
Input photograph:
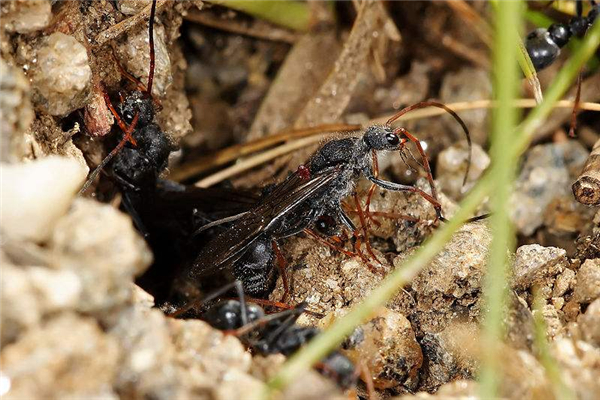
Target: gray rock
x=464 y=85
x=544 y=177
x=101 y=246
x=62 y=75
x=451 y=168
x=587 y=288
x=533 y=263
x=25 y=16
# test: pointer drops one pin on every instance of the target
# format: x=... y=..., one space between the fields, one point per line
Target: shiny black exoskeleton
x=277 y=333
x=316 y=189
x=543 y=45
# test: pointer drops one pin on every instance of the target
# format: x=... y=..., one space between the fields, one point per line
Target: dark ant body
x=276 y=333
x=314 y=190
x=543 y=45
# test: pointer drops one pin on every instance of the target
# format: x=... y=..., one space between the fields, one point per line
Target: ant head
x=382 y=137
x=137 y=102
x=227 y=314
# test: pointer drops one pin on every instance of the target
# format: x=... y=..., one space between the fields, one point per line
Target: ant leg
x=367 y=378
x=281 y=264
x=329 y=244
x=575 y=107
x=113 y=152
x=291 y=316
x=371 y=191
x=406 y=188
x=128 y=137
x=140 y=86
x=222 y=290
x=364 y=226
x=357 y=250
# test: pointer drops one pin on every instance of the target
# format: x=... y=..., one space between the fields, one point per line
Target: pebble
x=451 y=284
x=533 y=263
x=589 y=323
x=16 y=113
x=61 y=76
x=466 y=85
x=587 y=287
x=68 y=356
x=579 y=363
x=545 y=176
x=564 y=282
x=388 y=347
x=35 y=195
x=26 y=16
x=134 y=55
x=100 y=245
x=132 y=7
x=451 y=168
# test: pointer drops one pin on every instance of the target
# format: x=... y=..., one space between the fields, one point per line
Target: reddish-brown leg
x=368 y=214
x=281 y=264
x=365 y=232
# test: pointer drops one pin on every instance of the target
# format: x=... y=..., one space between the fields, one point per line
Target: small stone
x=564 y=282
x=461 y=389
x=97 y=117
x=551 y=320
x=146 y=368
x=16 y=113
x=388 y=347
x=587 y=288
x=62 y=75
x=68 y=357
x=35 y=195
x=101 y=246
x=533 y=263
x=134 y=54
x=451 y=283
x=452 y=165
x=312 y=385
x=464 y=85
x=449 y=355
x=589 y=323
x=132 y=7
x=25 y=16
x=545 y=176
x=579 y=364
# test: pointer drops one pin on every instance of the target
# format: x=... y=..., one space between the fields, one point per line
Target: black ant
x=543 y=45
x=274 y=333
x=314 y=190
x=142 y=153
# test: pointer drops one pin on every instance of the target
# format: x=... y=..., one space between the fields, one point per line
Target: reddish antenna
x=152 y=55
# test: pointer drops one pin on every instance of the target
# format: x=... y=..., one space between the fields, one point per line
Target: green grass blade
x=503 y=170
x=289 y=14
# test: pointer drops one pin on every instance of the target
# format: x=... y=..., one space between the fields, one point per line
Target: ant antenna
x=425 y=104
x=152 y=54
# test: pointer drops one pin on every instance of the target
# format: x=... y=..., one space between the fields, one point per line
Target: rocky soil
x=74 y=322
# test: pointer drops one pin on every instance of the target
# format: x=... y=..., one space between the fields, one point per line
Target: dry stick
x=224 y=156
x=117 y=30
x=259 y=159
x=263 y=31
x=587 y=187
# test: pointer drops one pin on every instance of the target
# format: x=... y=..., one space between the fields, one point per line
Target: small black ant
x=543 y=45
x=274 y=333
x=142 y=154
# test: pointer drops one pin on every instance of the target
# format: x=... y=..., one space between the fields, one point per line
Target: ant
x=142 y=153
x=317 y=188
x=273 y=333
x=543 y=45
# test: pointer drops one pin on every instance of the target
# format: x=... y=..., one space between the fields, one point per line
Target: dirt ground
x=243 y=98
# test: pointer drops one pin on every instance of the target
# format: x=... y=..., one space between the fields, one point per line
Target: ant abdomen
x=541 y=48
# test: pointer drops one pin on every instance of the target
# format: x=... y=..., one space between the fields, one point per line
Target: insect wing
x=229 y=246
